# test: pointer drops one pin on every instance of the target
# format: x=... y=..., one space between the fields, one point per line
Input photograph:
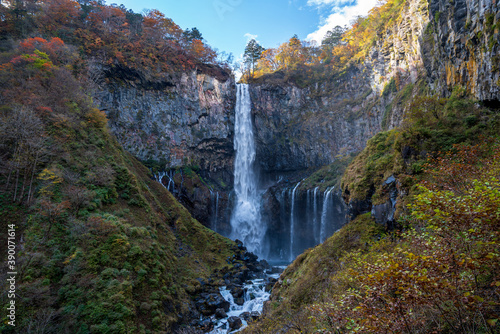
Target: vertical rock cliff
x=185 y=126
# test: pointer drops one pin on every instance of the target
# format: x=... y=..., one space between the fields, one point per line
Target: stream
x=254 y=298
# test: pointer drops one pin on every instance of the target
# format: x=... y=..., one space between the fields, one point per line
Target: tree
x=253 y=51
x=334 y=37
x=192 y=34
x=23 y=146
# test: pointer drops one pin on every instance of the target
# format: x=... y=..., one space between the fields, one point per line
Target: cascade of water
x=246 y=219
x=254 y=298
x=159 y=177
x=292 y=222
x=216 y=210
x=170 y=181
x=324 y=214
x=315 y=215
x=308 y=207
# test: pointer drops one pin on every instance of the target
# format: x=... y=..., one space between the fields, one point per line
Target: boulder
x=220 y=313
x=234 y=323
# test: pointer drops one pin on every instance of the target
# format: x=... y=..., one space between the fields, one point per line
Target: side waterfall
x=246 y=218
x=292 y=222
x=324 y=215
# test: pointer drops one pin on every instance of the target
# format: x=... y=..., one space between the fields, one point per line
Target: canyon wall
x=184 y=127
x=432 y=47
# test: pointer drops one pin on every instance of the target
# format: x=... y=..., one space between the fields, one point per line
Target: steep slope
x=101 y=246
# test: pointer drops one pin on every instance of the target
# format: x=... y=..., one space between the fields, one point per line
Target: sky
x=228 y=25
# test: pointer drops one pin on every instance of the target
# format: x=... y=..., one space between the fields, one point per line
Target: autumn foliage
x=443 y=274
x=340 y=48
x=117 y=37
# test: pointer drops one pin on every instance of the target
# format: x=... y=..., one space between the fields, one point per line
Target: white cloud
x=341 y=14
x=250 y=36
x=338 y=3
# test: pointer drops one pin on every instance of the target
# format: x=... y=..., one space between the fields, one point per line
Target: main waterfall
x=246 y=221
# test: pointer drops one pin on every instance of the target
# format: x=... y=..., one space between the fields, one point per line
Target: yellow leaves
x=491 y=256
x=49 y=175
x=492 y=322
x=49 y=180
x=97 y=118
x=70 y=258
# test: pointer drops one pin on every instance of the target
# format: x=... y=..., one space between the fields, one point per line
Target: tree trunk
x=32 y=177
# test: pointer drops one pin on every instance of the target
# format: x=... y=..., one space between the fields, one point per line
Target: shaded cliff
x=188 y=120
x=182 y=128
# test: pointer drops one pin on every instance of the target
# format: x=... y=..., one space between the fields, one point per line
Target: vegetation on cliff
x=114 y=38
x=102 y=247
x=304 y=62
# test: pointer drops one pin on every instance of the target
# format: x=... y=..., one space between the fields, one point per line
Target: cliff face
x=185 y=125
x=300 y=128
x=462 y=47
x=187 y=122
x=444 y=44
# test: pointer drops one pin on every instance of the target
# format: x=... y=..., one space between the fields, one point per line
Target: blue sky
x=228 y=24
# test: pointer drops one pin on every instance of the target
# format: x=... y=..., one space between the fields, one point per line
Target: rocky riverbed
x=233 y=296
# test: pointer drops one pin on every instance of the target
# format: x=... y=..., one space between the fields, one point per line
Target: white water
x=246 y=219
x=324 y=215
x=292 y=223
x=255 y=297
x=214 y=202
x=171 y=184
x=315 y=216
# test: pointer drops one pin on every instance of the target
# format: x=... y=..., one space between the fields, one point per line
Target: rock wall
x=462 y=47
x=189 y=121
x=186 y=126
x=297 y=128
x=300 y=128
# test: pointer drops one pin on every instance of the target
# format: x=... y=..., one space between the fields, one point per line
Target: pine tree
x=252 y=54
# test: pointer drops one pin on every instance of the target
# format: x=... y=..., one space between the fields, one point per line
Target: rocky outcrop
x=184 y=126
x=462 y=47
x=442 y=43
x=300 y=128
x=187 y=121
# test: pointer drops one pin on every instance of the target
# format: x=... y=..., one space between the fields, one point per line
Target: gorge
x=347 y=187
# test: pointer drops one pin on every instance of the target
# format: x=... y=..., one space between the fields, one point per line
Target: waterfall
x=170 y=182
x=324 y=215
x=315 y=216
x=292 y=221
x=159 y=177
x=214 y=202
x=216 y=209
x=246 y=219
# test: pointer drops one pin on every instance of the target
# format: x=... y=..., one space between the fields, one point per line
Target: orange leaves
x=59 y=14
x=55 y=49
x=97 y=118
